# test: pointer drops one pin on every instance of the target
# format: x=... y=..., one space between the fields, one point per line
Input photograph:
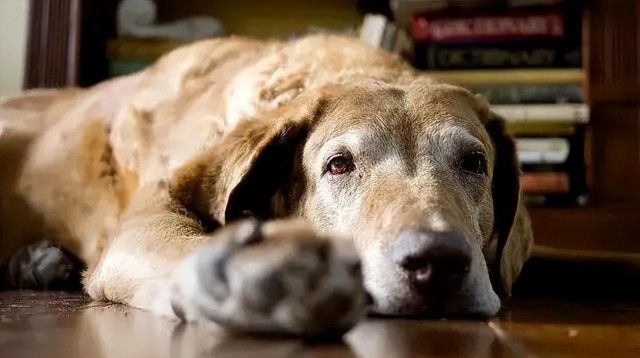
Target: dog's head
x=421 y=175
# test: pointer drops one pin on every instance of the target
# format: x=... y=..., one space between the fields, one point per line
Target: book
x=377 y=30
x=542 y=150
x=552 y=182
x=578 y=113
x=389 y=37
x=372 y=29
x=541 y=129
x=544 y=183
x=545 y=25
x=525 y=38
x=404 y=10
x=530 y=94
x=440 y=56
x=555 y=199
x=551 y=188
x=510 y=77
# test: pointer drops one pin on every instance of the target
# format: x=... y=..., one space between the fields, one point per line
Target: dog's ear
x=244 y=171
x=511 y=230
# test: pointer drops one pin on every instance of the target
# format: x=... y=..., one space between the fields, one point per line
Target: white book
x=578 y=113
x=542 y=150
x=389 y=37
x=372 y=30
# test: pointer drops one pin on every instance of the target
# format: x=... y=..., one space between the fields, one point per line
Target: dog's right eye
x=475 y=163
x=340 y=164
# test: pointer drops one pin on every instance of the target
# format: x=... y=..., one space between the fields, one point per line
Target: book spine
x=530 y=94
x=577 y=113
x=486 y=56
x=545 y=183
x=556 y=200
x=485 y=77
x=542 y=150
x=389 y=37
x=556 y=184
x=516 y=26
x=541 y=129
x=373 y=27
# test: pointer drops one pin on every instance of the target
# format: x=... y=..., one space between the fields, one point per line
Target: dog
x=278 y=187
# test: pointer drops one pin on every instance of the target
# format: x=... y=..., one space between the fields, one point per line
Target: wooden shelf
x=602 y=228
x=611 y=49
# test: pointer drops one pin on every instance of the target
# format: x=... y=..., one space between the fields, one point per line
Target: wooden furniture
x=62 y=325
x=611 y=221
x=266 y=19
x=66 y=42
x=53 y=43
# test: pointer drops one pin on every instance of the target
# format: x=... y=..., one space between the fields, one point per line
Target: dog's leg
x=41 y=265
x=277 y=277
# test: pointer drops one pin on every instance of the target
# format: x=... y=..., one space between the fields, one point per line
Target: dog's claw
x=41 y=266
x=279 y=277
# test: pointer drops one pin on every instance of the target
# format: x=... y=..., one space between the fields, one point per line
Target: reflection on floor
x=561 y=309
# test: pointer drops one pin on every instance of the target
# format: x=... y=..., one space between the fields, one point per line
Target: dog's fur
x=136 y=175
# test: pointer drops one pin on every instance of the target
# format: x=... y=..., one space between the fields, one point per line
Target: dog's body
x=135 y=176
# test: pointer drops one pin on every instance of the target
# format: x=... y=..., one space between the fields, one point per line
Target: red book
x=544 y=183
x=469 y=28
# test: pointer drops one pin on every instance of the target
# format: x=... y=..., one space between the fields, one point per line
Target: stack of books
x=527 y=62
x=378 y=30
x=545 y=111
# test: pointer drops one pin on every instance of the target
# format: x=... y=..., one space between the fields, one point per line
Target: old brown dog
x=343 y=152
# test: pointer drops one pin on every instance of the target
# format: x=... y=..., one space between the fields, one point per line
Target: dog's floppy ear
x=511 y=229
x=242 y=173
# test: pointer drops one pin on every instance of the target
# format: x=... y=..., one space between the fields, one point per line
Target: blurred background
x=564 y=73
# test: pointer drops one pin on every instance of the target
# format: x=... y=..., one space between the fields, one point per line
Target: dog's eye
x=475 y=162
x=340 y=164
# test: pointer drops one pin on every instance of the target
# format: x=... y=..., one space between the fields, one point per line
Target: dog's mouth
x=430 y=312
x=455 y=306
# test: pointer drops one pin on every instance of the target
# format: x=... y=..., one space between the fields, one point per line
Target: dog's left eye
x=475 y=162
x=340 y=164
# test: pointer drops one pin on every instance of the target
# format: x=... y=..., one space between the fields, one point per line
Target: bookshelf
x=266 y=19
x=611 y=221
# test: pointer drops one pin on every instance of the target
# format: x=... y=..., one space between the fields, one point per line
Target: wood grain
x=63 y=325
x=611 y=222
x=53 y=44
x=603 y=228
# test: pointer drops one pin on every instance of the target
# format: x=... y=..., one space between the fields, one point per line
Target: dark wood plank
x=53 y=44
x=613 y=76
x=46 y=325
x=616 y=153
x=593 y=228
x=550 y=328
x=613 y=49
x=612 y=64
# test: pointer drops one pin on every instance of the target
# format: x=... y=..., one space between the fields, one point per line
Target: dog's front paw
x=41 y=266
x=277 y=277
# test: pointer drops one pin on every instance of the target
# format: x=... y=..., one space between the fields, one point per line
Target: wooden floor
x=68 y=325
x=37 y=324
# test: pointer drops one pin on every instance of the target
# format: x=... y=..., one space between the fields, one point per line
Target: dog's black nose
x=440 y=259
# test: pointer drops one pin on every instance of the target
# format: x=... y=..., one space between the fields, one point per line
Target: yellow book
x=541 y=128
x=133 y=49
x=508 y=76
